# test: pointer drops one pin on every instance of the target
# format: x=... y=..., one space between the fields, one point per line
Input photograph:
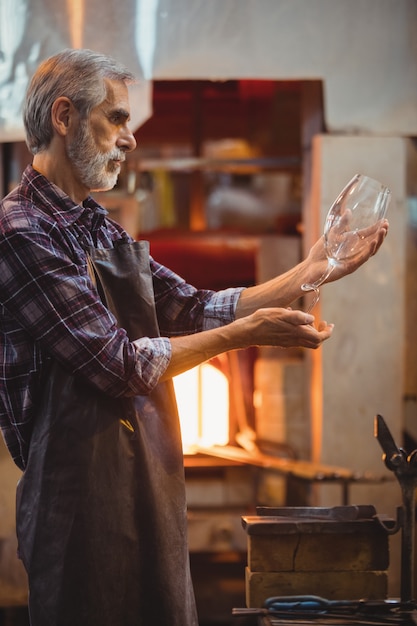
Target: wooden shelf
x=230 y=165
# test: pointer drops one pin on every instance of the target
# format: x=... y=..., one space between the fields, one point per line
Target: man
x=92 y=330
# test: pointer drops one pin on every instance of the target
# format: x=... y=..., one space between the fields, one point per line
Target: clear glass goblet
x=351 y=224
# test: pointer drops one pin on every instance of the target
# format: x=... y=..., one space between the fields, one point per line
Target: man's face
x=100 y=143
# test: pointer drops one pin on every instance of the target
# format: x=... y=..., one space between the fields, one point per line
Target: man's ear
x=62 y=112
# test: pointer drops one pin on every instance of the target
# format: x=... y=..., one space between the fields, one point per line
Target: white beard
x=97 y=171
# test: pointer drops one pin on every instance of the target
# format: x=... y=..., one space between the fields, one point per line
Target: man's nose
x=127 y=141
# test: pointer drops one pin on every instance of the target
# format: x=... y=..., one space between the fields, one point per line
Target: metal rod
x=407 y=541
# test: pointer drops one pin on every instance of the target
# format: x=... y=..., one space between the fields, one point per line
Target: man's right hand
x=285 y=328
x=272 y=326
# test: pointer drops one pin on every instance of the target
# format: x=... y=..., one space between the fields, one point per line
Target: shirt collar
x=60 y=206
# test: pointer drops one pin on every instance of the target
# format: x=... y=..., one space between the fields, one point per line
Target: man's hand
x=278 y=327
x=317 y=260
x=285 y=328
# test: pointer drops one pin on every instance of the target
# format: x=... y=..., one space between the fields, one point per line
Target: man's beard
x=96 y=170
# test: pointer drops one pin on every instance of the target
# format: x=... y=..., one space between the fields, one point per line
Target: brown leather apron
x=101 y=510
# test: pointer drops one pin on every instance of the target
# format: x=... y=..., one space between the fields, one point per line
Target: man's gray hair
x=77 y=74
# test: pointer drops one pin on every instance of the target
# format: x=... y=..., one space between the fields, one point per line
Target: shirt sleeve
x=221 y=308
x=183 y=309
x=49 y=301
x=153 y=357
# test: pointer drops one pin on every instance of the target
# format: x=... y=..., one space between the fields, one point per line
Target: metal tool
x=305 y=609
x=404 y=467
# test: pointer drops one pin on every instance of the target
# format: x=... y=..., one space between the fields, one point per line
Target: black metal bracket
x=405 y=469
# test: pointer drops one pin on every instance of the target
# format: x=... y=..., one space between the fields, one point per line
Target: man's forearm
x=191 y=350
x=271 y=326
x=280 y=291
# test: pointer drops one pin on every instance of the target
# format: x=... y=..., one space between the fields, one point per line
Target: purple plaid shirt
x=49 y=308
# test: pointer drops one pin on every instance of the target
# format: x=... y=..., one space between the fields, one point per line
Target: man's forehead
x=117 y=95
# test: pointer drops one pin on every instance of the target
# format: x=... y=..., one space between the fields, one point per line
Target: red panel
x=208 y=262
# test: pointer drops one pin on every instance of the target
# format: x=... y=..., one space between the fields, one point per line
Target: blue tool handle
x=287 y=603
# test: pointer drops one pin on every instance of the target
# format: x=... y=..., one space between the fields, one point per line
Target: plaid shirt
x=49 y=308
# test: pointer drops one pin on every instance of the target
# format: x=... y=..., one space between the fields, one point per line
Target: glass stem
x=314 y=286
x=314 y=301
